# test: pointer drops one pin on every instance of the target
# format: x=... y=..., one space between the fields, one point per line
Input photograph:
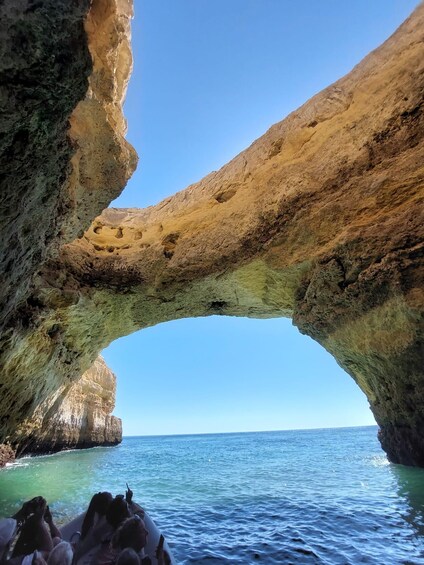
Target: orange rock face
x=321 y=220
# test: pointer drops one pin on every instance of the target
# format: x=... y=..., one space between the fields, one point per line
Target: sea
x=324 y=496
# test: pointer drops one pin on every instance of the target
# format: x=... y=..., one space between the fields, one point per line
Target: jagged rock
x=7 y=454
x=78 y=415
x=44 y=68
x=64 y=67
x=321 y=219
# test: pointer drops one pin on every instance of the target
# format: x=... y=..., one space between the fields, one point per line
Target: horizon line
x=251 y=431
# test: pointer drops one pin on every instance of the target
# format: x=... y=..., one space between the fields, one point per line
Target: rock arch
x=321 y=220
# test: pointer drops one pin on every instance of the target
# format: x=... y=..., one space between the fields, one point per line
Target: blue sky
x=209 y=78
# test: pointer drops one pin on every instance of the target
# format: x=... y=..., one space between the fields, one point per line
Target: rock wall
x=63 y=73
x=7 y=454
x=321 y=219
x=77 y=415
x=44 y=69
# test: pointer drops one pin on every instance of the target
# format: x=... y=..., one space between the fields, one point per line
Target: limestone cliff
x=77 y=414
x=321 y=219
x=63 y=74
x=44 y=69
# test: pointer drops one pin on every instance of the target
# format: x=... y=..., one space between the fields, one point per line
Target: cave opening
x=226 y=374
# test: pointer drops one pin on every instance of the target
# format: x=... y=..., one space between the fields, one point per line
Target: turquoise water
x=307 y=497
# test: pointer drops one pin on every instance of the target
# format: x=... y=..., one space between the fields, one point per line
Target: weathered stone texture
x=7 y=454
x=77 y=415
x=44 y=68
x=321 y=219
x=64 y=68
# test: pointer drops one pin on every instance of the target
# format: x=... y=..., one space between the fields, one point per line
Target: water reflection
x=410 y=481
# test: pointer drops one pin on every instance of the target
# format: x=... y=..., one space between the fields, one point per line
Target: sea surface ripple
x=302 y=497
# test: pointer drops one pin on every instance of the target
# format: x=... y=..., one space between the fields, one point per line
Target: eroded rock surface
x=7 y=454
x=64 y=67
x=321 y=219
x=77 y=414
x=44 y=69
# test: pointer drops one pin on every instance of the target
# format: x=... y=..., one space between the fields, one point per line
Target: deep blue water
x=315 y=496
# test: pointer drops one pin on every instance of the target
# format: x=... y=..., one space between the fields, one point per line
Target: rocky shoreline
x=7 y=454
x=63 y=158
